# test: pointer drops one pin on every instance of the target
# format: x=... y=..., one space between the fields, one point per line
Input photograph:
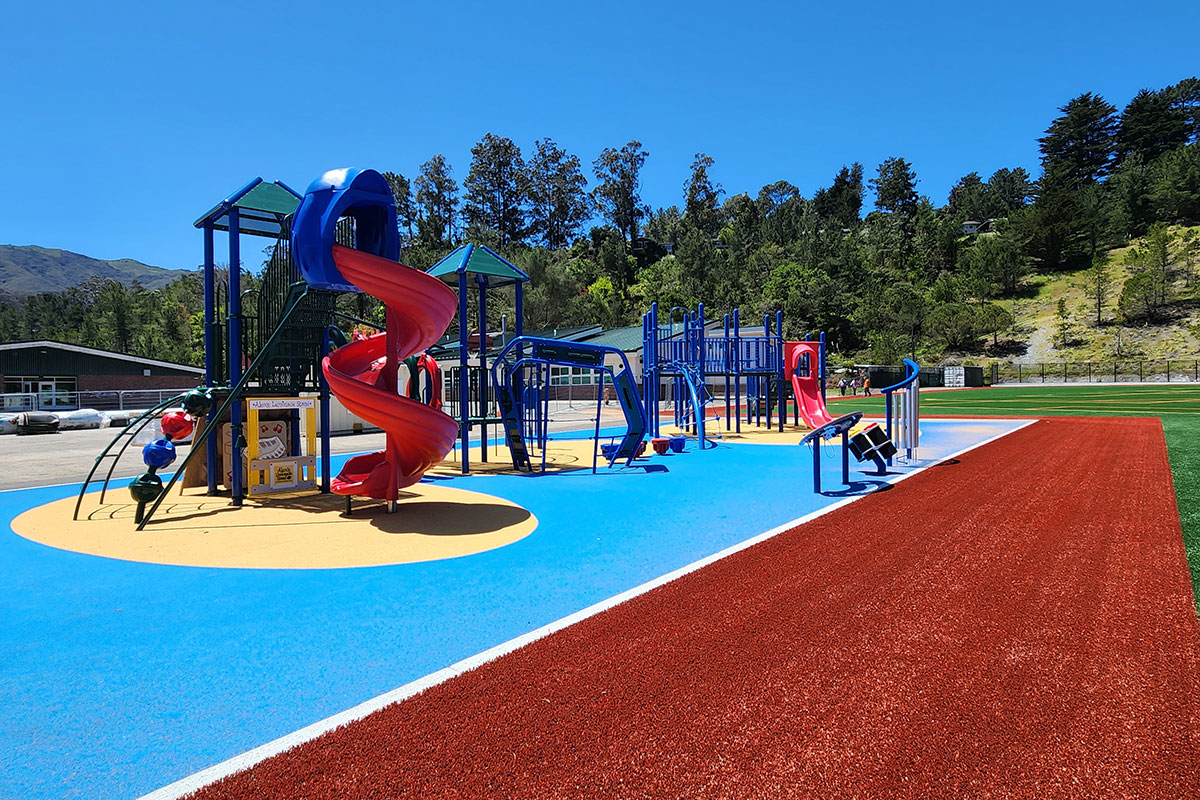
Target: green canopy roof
x=477 y=259
x=262 y=208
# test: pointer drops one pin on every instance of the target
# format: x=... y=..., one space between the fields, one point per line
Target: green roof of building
x=626 y=339
x=262 y=208
x=478 y=259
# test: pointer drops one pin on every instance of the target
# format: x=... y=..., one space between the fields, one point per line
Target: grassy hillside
x=1035 y=334
x=29 y=270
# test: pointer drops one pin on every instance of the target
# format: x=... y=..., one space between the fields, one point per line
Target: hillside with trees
x=1106 y=225
x=30 y=269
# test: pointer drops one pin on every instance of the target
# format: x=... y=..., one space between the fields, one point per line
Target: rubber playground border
x=250 y=758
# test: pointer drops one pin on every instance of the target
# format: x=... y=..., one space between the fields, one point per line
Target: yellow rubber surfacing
x=302 y=531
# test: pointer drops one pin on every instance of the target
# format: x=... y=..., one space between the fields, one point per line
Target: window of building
x=51 y=391
x=572 y=376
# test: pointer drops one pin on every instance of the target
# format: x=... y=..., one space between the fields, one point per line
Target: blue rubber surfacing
x=121 y=677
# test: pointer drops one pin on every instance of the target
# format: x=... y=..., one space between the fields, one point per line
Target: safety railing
x=114 y=400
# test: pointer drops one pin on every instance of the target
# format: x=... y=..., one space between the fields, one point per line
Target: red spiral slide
x=362 y=374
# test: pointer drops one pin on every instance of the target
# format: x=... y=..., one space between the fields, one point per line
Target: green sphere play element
x=197 y=402
x=146 y=488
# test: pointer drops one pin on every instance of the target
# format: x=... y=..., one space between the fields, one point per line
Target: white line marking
x=259 y=754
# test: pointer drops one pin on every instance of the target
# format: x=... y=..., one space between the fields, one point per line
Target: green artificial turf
x=1177 y=406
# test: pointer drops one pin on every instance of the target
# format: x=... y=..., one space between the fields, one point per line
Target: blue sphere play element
x=158 y=453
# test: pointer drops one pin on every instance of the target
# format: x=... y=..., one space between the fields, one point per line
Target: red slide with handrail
x=362 y=375
x=806 y=383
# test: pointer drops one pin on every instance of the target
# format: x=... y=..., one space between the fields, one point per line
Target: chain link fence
x=1128 y=371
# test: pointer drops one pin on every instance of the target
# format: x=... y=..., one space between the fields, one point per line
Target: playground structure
x=687 y=354
x=341 y=237
x=484 y=269
x=521 y=376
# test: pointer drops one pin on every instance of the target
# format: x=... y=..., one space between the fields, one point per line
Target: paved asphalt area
x=66 y=456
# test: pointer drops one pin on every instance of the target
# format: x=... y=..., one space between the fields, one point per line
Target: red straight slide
x=419 y=307
x=807 y=388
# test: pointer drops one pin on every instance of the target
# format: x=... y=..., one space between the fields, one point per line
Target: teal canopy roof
x=262 y=208
x=477 y=259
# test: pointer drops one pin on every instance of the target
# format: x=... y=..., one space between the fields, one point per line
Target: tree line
x=909 y=275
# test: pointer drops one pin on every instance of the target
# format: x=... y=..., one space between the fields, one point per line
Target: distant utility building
x=56 y=373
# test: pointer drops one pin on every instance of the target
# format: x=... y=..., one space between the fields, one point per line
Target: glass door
x=46 y=395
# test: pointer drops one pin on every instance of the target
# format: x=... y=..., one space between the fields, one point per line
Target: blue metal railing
x=912 y=375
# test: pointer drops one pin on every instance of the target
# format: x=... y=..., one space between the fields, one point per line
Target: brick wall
x=89 y=383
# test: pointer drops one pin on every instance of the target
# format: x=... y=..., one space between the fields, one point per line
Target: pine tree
x=437 y=200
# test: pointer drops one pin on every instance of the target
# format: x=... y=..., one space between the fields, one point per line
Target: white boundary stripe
x=250 y=758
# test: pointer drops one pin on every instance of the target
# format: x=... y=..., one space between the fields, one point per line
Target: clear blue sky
x=121 y=126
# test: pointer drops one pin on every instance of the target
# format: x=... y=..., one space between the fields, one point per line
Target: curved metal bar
x=914 y=372
x=142 y=423
x=211 y=425
x=148 y=414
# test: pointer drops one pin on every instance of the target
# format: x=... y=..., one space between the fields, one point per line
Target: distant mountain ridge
x=26 y=270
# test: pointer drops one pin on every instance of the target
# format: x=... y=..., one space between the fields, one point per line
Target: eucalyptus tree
x=497 y=188
x=702 y=198
x=617 y=193
x=559 y=204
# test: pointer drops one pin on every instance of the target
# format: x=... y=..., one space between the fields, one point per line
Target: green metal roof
x=477 y=259
x=577 y=333
x=627 y=339
x=262 y=208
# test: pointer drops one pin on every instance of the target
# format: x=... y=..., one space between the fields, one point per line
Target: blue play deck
x=121 y=677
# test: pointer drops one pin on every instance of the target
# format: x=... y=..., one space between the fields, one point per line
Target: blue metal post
x=520 y=321
x=235 y=355
x=779 y=368
x=698 y=413
x=324 y=410
x=210 y=344
x=482 y=282
x=846 y=456
x=725 y=352
x=655 y=379
x=816 y=450
x=517 y=381
x=764 y=355
x=737 y=370
x=464 y=377
x=821 y=368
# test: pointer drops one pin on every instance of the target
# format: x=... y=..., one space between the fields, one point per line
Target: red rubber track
x=1018 y=623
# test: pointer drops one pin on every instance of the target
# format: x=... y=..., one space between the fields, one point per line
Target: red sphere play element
x=177 y=424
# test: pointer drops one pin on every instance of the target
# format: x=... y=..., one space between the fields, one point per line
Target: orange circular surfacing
x=301 y=531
